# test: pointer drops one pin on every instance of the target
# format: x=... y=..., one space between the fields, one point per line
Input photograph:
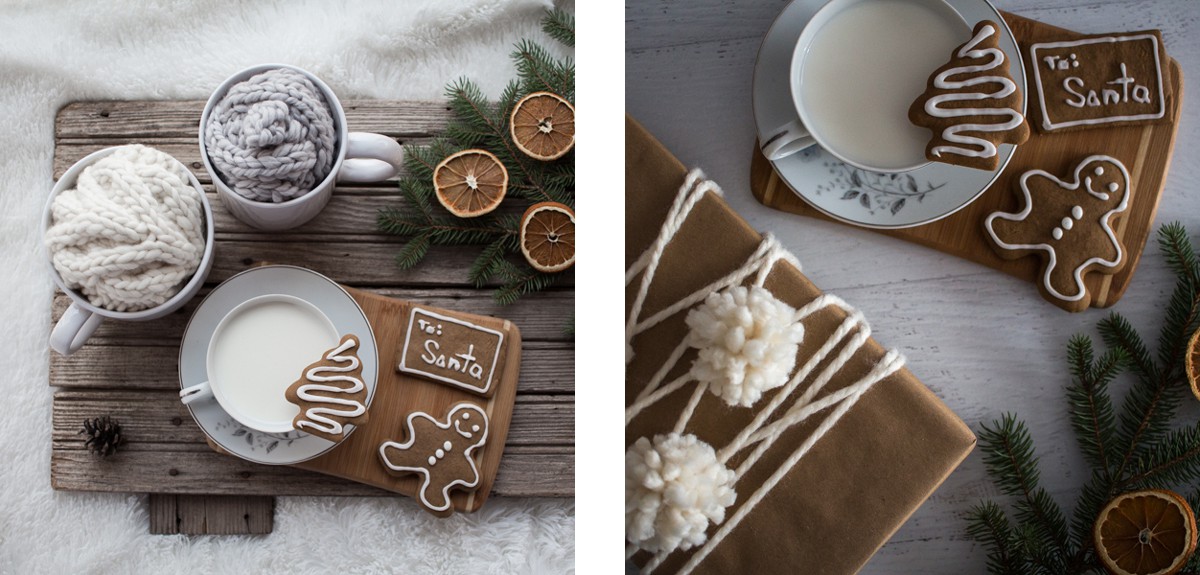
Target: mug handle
x=370 y=158
x=195 y=393
x=787 y=140
x=73 y=330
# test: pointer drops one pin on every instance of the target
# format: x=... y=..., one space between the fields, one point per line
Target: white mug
x=798 y=134
x=80 y=320
x=361 y=157
x=279 y=375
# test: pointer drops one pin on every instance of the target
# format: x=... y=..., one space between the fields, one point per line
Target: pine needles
x=1139 y=446
x=480 y=123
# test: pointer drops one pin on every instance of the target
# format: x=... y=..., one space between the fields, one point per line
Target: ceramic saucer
x=219 y=426
x=849 y=194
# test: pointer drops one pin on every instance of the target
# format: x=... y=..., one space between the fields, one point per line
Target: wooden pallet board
x=1145 y=149
x=130 y=370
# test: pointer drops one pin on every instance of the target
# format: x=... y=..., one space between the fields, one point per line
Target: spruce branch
x=1091 y=408
x=987 y=524
x=1174 y=460
x=1009 y=456
x=477 y=122
x=1140 y=448
x=519 y=281
x=560 y=25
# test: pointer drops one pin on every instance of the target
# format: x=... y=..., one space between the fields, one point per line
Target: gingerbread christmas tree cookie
x=972 y=104
x=331 y=393
x=441 y=452
x=1069 y=224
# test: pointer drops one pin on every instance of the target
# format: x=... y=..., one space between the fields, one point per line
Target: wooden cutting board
x=1144 y=149
x=398 y=394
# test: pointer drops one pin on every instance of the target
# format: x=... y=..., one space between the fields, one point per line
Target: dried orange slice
x=542 y=125
x=470 y=183
x=548 y=236
x=1145 y=532
x=1192 y=362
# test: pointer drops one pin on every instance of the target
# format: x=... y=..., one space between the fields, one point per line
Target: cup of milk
x=257 y=351
x=857 y=67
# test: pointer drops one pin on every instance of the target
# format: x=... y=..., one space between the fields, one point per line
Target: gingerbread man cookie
x=1069 y=224
x=972 y=104
x=331 y=394
x=441 y=453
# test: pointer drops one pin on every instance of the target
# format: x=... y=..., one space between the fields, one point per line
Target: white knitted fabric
x=130 y=233
x=674 y=487
x=272 y=137
x=747 y=340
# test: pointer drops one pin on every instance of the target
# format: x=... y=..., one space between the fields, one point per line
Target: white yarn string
x=130 y=233
x=689 y=194
x=757 y=433
x=663 y=371
x=892 y=362
x=686 y=415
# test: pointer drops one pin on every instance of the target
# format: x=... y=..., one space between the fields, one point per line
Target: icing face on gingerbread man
x=1070 y=222
x=440 y=452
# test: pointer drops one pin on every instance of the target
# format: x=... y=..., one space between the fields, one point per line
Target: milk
x=863 y=70
x=261 y=350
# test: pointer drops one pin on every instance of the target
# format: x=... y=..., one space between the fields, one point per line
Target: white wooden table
x=986 y=343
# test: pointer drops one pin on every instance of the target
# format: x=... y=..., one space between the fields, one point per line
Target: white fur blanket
x=56 y=51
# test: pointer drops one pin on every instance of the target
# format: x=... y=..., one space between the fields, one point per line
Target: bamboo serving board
x=1144 y=149
x=398 y=394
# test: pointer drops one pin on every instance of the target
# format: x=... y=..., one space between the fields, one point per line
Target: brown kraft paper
x=860 y=482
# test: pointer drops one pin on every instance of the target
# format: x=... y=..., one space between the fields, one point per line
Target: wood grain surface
x=983 y=341
x=1145 y=149
x=130 y=370
x=397 y=394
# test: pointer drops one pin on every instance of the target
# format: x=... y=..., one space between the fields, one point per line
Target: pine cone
x=103 y=435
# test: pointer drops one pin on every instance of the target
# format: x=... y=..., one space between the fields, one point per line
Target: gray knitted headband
x=272 y=137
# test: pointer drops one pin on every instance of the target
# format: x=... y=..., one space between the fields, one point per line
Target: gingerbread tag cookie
x=441 y=452
x=1098 y=81
x=331 y=393
x=452 y=351
x=1068 y=223
x=972 y=104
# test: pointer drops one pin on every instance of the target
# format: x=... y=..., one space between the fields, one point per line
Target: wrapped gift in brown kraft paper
x=834 y=507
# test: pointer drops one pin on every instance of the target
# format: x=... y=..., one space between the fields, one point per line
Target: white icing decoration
x=1099 y=170
x=432 y=460
x=1086 y=183
x=440 y=453
x=1112 y=186
x=1057 y=233
x=446 y=446
x=1067 y=223
x=475 y=428
x=942 y=81
x=316 y=417
x=1077 y=211
x=1037 y=79
x=465 y=408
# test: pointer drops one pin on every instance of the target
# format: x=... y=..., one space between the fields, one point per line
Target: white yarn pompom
x=674 y=487
x=747 y=340
x=130 y=233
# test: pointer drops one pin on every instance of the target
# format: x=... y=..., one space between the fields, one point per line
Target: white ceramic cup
x=361 y=157
x=795 y=135
x=80 y=320
x=216 y=388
